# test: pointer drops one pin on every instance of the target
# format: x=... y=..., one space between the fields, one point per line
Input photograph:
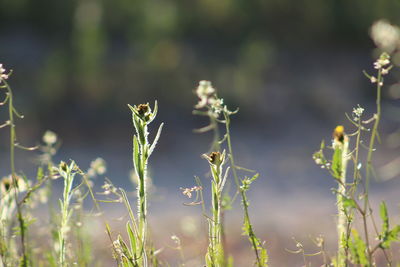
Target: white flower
x=373 y=79
x=97 y=167
x=382 y=61
x=204 y=92
x=377 y=65
x=3 y=75
x=385 y=35
x=318 y=161
x=49 y=138
x=385 y=71
x=358 y=111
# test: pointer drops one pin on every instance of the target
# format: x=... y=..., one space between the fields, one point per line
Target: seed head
x=338 y=134
x=215 y=158
x=63 y=166
x=142 y=109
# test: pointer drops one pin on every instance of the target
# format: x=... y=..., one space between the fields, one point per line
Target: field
x=219 y=173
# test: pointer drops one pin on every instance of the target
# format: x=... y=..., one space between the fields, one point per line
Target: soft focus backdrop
x=293 y=67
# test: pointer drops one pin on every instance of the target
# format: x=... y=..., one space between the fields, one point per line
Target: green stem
x=236 y=178
x=342 y=217
x=229 y=143
x=252 y=235
x=13 y=173
x=369 y=157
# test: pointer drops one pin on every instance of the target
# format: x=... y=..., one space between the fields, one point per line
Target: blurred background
x=292 y=67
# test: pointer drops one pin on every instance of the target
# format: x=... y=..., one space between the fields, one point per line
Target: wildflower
x=339 y=137
x=357 y=112
x=142 y=109
x=215 y=158
x=49 y=138
x=3 y=75
x=385 y=71
x=97 y=167
x=385 y=35
x=63 y=166
x=216 y=105
x=205 y=89
x=176 y=239
x=206 y=93
x=6 y=184
x=338 y=134
x=373 y=79
x=188 y=191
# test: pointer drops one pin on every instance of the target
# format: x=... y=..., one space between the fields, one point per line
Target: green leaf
x=322 y=146
x=136 y=155
x=385 y=219
x=132 y=238
x=154 y=113
x=348 y=203
x=337 y=163
x=124 y=248
x=358 y=250
x=40 y=174
x=153 y=145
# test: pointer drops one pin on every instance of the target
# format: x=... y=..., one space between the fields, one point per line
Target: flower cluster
x=357 y=112
x=188 y=191
x=382 y=64
x=385 y=35
x=49 y=138
x=97 y=167
x=320 y=160
x=108 y=188
x=3 y=74
x=382 y=61
x=208 y=98
x=6 y=183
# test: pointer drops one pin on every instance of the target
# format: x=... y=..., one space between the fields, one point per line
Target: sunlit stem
x=11 y=111
x=342 y=217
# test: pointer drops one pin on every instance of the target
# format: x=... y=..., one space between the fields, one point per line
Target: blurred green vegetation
x=97 y=52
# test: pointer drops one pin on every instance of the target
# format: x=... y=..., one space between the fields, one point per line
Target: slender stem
x=229 y=143
x=216 y=138
x=252 y=235
x=374 y=133
x=13 y=173
x=342 y=216
x=142 y=194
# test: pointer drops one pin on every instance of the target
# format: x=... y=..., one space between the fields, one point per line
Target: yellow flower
x=338 y=134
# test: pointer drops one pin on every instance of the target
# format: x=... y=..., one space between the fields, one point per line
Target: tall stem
x=374 y=134
x=342 y=217
x=252 y=235
x=13 y=173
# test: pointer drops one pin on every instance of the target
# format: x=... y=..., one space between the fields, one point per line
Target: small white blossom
x=385 y=71
x=204 y=91
x=99 y=165
x=49 y=138
x=318 y=161
x=373 y=79
x=3 y=75
x=385 y=35
x=358 y=111
x=377 y=65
